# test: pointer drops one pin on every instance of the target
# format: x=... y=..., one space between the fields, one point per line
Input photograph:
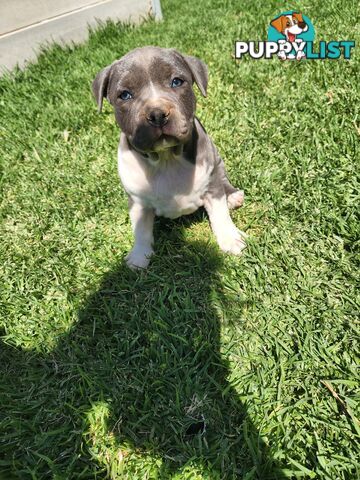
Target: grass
x=206 y=366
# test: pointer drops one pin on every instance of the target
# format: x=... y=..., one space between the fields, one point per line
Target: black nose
x=157 y=117
x=302 y=25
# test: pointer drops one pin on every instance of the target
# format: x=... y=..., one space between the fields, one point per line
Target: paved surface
x=22 y=45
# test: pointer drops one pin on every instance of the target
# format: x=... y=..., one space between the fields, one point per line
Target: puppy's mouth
x=149 y=139
x=295 y=30
x=291 y=36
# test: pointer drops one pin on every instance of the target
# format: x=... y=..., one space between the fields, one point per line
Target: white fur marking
x=235 y=199
x=172 y=187
x=229 y=238
x=142 y=222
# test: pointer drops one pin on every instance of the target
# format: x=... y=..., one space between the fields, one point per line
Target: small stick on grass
x=339 y=400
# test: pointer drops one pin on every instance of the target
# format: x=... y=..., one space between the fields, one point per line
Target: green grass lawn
x=206 y=366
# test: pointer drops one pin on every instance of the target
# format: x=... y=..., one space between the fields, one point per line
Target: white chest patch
x=172 y=187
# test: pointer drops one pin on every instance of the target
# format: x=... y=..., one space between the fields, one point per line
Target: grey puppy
x=167 y=163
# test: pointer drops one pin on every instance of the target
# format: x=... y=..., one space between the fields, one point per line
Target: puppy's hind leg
x=229 y=238
x=234 y=197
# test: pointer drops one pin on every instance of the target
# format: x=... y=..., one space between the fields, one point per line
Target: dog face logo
x=292 y=28
x=290 y=25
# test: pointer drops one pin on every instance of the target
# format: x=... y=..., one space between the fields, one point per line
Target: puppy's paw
x=232 y=241
x=235 y=199
x=139 y=258
x=300 y=55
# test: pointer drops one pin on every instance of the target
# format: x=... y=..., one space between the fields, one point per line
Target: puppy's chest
x=173 y=188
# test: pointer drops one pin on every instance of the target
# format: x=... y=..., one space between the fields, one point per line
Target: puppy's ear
x=298 y=16
x=199 y=72
x=100 y=86
x=278 y=24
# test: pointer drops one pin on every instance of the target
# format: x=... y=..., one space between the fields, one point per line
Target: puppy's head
x=290 y=25
x=151 y=91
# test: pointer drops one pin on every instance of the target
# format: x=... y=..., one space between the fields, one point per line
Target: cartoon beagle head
x=290 y=25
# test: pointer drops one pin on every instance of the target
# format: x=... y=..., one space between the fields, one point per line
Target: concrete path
x=25 y=25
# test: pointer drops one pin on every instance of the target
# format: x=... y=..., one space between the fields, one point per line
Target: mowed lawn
x=206 y=366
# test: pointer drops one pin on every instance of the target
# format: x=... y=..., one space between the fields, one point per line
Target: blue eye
x=125 y=95
x=176 y=82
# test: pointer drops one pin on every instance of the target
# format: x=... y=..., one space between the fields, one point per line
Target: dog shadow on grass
x=141 y=373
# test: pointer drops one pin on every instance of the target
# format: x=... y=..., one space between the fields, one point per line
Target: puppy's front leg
x=142 y=222
x=229 y=237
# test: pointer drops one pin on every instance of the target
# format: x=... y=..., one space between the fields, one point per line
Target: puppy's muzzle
x=158 y=117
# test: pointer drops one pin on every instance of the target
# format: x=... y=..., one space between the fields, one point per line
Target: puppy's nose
x=157 y=117
x=302 y=24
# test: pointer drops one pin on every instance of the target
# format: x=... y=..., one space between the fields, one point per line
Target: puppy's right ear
x=278 y=23
x=100 y=86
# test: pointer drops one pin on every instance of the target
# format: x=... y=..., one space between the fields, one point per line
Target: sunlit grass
x=104 y=372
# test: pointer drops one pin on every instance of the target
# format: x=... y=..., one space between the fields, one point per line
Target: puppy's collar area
x=168 y=154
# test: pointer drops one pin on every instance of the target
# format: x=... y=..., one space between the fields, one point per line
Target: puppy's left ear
x=199 y=72
x=100 y=86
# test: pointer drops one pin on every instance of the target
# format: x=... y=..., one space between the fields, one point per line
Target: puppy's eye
x=176 y=82
x=125 y=95
x=295 y=21
x=288 y=23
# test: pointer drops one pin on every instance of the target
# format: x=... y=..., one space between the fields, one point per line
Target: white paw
x=300 y=55
x=232 y=241
x=235 y=199
x=139 y=257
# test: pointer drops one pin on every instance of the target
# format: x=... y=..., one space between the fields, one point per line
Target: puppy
x=167 y=163
x=290 y=26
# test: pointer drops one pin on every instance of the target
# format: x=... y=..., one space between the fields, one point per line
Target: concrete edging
x=21 y=45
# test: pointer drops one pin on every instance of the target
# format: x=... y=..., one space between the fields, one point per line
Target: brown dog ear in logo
x=279 y=23
x=298 y=16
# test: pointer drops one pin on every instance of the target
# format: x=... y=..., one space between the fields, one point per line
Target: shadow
x=141 y=370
